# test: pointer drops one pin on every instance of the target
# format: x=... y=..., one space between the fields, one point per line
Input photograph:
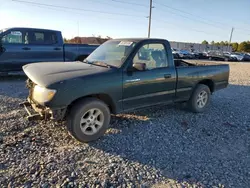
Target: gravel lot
x=164 y=146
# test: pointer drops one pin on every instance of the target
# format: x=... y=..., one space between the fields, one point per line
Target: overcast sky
x=175 y=20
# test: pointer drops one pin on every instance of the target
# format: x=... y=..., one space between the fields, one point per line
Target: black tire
x=76 y=114
x=193 y=101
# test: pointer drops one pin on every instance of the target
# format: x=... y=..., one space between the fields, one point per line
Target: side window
x=50 y=38
x=153 y=55
x=14 y=37
x=39 y=37
x=42 y=38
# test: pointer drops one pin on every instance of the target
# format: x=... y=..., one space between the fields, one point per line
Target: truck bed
x=75 y=51
x=191 y=73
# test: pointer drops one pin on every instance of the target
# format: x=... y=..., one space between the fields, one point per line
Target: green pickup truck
x=120 y=75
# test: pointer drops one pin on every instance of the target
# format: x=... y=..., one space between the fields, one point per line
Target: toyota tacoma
x=120 y=75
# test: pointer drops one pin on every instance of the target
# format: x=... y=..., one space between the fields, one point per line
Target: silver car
x=238 y=56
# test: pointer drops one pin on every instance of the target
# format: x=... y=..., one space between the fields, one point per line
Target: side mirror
x=139 y=66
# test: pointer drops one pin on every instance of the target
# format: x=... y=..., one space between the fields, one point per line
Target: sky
x=174 y=20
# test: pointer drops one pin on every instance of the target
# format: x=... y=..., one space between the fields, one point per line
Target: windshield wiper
x=99 y=63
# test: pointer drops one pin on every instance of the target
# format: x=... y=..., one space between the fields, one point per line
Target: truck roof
x=30 y=28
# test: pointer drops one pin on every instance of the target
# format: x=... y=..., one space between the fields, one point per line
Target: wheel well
x=81 y=57
x=208 y=83
x=103 y=97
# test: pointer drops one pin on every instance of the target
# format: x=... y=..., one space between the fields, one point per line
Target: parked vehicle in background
x=120 y=75
x=182 y=54
x=185 y=54
x=198 y=55
x=203 y=55
x=175 y=53
x=220 y=56
x=195 y=55
x=238 y=56
x=246 y=57
x=20 y=46
x=228 y=56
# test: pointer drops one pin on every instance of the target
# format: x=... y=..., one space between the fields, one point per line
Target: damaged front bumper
x=38 y=112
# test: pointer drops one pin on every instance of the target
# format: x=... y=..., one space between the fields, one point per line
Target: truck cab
x=20 y=46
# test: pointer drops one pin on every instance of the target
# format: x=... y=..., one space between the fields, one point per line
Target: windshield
x=112 y=52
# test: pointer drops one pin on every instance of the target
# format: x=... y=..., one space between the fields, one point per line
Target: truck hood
x=45 y=74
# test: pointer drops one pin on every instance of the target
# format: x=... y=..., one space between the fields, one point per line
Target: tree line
x=87 y=40
x=236 y=47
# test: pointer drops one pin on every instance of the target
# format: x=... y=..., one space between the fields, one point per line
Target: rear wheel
x=88 y=120
x=200 y=99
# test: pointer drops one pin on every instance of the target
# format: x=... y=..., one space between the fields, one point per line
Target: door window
x=39 y=37
x=14 y=37
x=153 y=55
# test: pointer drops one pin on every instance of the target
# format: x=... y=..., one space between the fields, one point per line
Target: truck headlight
x=42 y=95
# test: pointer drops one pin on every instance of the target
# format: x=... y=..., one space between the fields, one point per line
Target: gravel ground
x=165 y=146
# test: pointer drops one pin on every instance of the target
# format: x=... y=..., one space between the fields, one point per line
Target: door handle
x=57 y=48
x=26 y=48
x=167 y=76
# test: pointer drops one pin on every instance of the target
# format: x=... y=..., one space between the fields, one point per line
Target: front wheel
x=200 y=99
x=88 y=120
